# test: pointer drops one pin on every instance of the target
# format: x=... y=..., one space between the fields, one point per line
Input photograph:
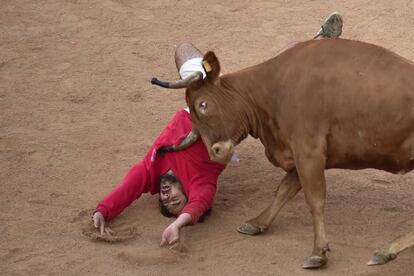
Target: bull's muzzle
x=221 y=152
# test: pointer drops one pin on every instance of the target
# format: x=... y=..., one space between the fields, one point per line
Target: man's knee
x=184 y=52
x=183 y=47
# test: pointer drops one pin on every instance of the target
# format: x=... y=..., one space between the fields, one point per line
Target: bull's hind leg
x=390 y=252
x=311 y=165
x=288 y=188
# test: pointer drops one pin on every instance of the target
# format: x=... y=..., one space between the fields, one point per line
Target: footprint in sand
x=120 y=233
x=159 y=256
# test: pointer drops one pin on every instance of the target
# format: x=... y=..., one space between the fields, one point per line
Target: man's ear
x=212 y=67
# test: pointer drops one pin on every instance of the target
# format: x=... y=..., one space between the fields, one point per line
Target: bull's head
x=215 y=113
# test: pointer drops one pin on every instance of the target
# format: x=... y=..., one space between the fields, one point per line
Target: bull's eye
x=203 y=107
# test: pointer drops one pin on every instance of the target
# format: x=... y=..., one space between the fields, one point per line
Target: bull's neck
x=250 y=88
x=242 y=113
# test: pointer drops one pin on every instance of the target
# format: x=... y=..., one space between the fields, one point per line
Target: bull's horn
x=188 y=141
x=193 y=77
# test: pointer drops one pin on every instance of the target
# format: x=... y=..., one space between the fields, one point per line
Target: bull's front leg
x=287 y=189
x=310 y=164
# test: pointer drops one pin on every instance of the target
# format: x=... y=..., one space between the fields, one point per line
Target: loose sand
x=77 y=111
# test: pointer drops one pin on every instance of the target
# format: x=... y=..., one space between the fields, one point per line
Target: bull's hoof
x=315 y=262
x=381 y=258
x=249 y=229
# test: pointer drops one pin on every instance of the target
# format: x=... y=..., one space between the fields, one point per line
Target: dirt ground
x=77 y=111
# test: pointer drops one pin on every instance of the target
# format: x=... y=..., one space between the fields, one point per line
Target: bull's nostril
x=216 y=150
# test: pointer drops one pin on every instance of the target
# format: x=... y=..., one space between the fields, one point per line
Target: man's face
x=172 y=197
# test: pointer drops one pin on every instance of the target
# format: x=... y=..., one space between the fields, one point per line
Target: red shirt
x=192 y=166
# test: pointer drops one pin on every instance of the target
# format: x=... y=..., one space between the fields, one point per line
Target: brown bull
x=317 y=105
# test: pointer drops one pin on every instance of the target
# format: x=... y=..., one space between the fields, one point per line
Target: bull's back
x=359 y=96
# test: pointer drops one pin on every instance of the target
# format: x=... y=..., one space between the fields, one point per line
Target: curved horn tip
x=193 y=77
x=160 y=83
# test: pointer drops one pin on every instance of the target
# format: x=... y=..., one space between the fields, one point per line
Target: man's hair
x=164 y=211
x=170 y=177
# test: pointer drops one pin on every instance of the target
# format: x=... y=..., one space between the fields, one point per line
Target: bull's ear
x=212 y=66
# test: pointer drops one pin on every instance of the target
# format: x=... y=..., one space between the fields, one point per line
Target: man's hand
x=99 y=222
x=170 y=235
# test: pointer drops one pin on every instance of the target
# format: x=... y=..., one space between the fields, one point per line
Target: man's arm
x=200 y=196
x=135 y=183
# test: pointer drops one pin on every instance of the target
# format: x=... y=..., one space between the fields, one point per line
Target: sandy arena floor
x=77 y=111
